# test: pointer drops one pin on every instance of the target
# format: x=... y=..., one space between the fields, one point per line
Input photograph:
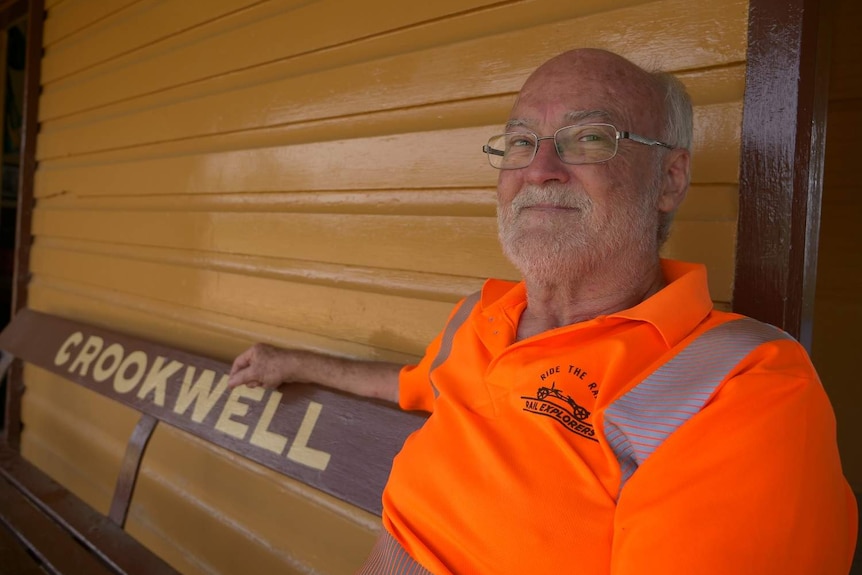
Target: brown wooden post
x=23 y=240
x=11 y=10
x=781 y=171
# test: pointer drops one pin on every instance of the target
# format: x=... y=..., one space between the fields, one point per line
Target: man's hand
x=269 y=366
x=261 y=365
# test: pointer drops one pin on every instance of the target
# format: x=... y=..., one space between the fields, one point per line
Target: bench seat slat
x=115 y=547
x=14 y=558
x=52 y=544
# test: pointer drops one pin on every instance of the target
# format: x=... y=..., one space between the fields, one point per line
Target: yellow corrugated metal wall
x=217 y=172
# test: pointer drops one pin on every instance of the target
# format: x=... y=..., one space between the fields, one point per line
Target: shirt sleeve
x=415 y=391
x=414 y=384
x=752 y=484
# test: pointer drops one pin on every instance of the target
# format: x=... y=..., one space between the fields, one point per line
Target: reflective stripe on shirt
x=449 y=334
x=637 y=423
x=388 y=557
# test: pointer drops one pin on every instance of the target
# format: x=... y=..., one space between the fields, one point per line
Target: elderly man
x=600 y=416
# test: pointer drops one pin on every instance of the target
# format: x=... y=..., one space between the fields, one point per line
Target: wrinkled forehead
x=567 y=117
x=592 y=87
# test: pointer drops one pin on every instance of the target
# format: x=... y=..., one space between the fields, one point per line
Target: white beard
x=579 y=241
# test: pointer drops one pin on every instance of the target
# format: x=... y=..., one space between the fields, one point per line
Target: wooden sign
x=340 y=444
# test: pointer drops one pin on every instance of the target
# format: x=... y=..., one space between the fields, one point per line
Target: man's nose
x=547 y=165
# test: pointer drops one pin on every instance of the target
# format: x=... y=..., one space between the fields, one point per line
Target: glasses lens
x=511 y=151
x=587 y=144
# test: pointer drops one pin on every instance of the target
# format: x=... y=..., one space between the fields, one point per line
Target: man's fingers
x=252 y=368
x=242 y=361
x=242 y=376
x=238 y=380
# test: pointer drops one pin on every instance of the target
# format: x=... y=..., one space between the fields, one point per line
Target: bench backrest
x=339 y=444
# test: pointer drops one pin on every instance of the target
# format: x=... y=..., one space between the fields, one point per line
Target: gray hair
x=679 y=122
x=679 y=129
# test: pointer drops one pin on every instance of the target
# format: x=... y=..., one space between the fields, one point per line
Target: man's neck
x=582 y=297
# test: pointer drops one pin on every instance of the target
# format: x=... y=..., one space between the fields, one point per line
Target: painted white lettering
x=157 y=380
x=262 y=436
x=299 y=451
x=124 y=383
x=112 y=356
x=200 y=393
x=63 y=354
x=88 y=353
x=233 y=406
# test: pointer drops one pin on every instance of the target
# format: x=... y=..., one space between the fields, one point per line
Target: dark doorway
x=13 y=50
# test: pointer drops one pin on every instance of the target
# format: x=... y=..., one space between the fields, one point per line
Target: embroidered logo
x=554 y=403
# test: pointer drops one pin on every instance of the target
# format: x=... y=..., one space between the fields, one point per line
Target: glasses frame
x=620 y=135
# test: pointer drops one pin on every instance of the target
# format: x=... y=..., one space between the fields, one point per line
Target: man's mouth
x=549 y=207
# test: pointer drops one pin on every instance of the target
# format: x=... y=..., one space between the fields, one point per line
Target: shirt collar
x=674 y=310
x=679 y=306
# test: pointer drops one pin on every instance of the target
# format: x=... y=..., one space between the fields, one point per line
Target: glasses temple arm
x=642 y=140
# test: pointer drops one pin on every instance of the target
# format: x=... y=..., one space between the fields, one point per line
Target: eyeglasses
x=581 y=144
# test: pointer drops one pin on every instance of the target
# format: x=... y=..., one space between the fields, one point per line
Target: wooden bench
x=333 y=442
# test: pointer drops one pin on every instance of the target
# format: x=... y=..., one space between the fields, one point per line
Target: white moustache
x=553 y=194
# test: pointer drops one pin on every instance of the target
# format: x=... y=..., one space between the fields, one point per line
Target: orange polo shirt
x=512 y=472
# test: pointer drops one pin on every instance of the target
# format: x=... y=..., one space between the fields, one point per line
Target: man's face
x=558 y=218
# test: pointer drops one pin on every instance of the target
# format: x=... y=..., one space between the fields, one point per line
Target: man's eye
x=520 y=142
x=590 y=138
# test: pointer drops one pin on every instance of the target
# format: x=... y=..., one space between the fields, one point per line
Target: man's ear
x=676 y=170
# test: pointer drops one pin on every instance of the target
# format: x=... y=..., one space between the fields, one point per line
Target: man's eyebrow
x=574 y=117
x=519 y=124
x=581 y=115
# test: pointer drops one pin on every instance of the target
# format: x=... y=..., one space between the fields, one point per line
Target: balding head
x=654 y=104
